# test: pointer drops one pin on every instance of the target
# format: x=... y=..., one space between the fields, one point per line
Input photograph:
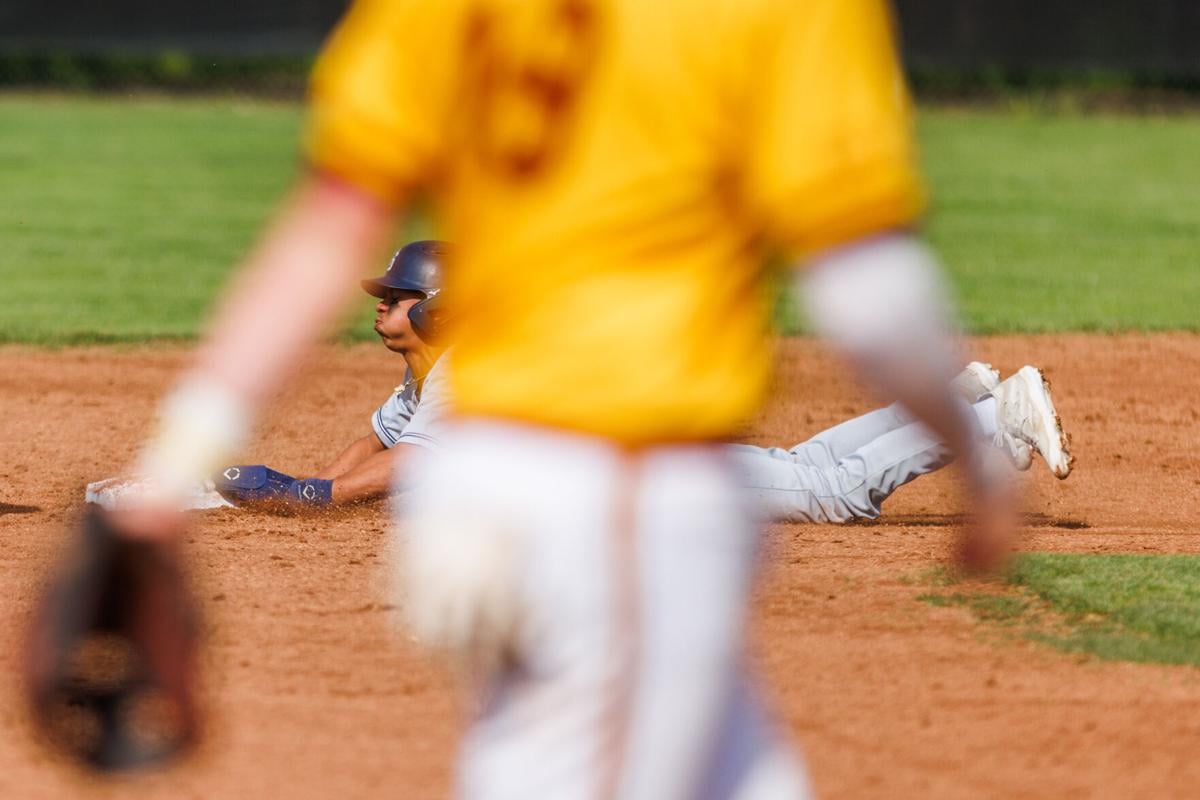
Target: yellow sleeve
x=379 y=96
x=831 y=150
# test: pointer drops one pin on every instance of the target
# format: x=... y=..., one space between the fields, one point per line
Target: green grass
x=991 y=607
x=1114 y=607
x=120 y=218
x=1067 y=222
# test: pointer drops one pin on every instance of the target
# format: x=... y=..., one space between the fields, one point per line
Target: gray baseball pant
x=840 y=474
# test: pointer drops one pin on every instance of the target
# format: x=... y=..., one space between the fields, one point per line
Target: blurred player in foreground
x=613 y=172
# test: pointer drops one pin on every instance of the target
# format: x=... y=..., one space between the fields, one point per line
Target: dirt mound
x=312 y=696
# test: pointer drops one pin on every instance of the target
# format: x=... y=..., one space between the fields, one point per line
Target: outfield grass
x=120 y=218
x=1116 y=607
x=1067 y=222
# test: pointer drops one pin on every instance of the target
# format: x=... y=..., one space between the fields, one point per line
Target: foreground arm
x=124 y=579
x=286 y=296
x=292 y=287
x=882 y=304
x=374 y=123
x=833 y=171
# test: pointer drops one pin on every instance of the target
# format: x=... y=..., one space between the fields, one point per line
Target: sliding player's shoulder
x=434 y=387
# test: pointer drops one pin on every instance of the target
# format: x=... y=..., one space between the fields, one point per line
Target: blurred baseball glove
x=110 y=660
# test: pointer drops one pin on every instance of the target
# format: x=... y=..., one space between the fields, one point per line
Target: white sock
x=985 y=412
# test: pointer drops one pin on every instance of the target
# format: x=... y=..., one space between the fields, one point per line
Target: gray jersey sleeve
x=391 y=418
x=424 y=427
x=409 y=419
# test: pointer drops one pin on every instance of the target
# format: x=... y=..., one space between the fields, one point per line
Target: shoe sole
x=1058 y=450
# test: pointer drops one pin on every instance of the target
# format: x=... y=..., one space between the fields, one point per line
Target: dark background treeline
x=949 y=45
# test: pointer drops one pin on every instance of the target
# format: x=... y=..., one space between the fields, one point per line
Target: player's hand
x=458 y=586
x=250 y=484
x=110 y=656
x=985 y=546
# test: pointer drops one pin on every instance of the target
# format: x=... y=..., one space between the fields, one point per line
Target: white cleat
x=976 y=381
x=1019 y=453
x=1025 y=413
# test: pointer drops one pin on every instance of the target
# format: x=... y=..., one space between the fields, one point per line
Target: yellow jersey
x=613 y=173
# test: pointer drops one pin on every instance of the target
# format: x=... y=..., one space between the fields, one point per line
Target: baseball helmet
x=417 y=267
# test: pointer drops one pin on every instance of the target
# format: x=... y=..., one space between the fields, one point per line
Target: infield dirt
x=311 y=696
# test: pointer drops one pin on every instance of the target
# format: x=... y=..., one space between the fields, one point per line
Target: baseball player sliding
x=841 y=474
x=611 y=171
x=408 y=321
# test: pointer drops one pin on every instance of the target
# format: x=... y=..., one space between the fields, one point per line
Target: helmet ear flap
x=429 y=318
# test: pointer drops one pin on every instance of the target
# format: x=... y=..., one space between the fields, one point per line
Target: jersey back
x=613 y=173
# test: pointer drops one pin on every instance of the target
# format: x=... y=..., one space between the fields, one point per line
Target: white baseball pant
x=845 y=472
x=615 y=616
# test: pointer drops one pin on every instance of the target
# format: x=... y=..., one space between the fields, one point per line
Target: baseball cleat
x=1025 y=412
x=1019 y=453
x=976 y=380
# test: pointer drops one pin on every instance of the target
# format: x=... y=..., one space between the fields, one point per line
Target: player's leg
x=631 y=587
x=552 y=712
x=753 y=761
x=857 y=484
x=854 y=487
x=973 y=383
x=833 y=444
x=696 y=730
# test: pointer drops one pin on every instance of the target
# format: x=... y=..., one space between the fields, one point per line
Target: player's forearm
x=358 y=452
x=292 y=287
x=883 y=305
x=371 y=479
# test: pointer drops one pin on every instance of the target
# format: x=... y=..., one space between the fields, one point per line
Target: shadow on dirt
x=10 y=508
x=1032 y=520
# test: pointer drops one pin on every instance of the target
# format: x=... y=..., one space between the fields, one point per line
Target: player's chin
x=394 y=345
